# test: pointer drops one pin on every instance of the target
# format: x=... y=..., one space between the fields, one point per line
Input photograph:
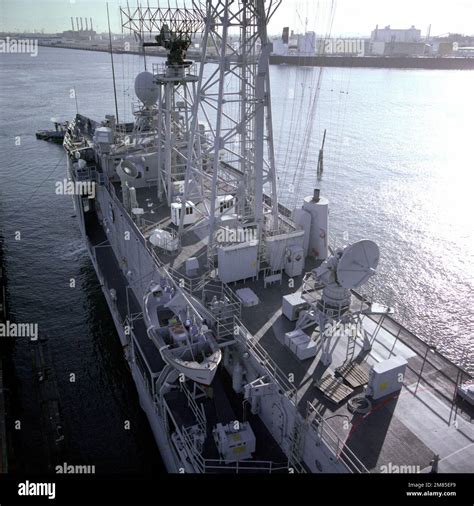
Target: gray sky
x=352 y=17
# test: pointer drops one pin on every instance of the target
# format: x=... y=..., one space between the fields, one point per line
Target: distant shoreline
x=115 y=50
x=395 y=62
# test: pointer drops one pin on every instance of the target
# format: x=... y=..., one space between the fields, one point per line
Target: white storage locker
x=238 y=262
x=292 y=304
x=386 y=377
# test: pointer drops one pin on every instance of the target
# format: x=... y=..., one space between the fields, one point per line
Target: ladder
x=296 y=448
x=263 y=264
x=211 y=253
x=351 y=344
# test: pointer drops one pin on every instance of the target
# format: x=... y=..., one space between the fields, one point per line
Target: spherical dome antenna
x=357 y=264
x=146 y=89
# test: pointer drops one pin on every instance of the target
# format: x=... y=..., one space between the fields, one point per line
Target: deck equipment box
x=292 y=305
x=386 y=377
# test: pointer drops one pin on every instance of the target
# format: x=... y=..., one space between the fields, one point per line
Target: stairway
x=297 y=445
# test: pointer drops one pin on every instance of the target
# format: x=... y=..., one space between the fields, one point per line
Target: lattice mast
x=172 y=28
x=235 y=151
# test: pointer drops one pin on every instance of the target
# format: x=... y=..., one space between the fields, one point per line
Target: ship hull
x=316 y=445
x=156 y=421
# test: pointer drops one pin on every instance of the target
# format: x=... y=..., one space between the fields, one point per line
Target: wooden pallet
x=333 y=389
x=354 y=374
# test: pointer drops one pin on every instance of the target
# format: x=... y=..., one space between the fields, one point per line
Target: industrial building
x=397 y=42
x=295 y=44
x=388 y=34
x=81 y=32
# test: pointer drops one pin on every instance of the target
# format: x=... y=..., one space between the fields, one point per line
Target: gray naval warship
x=256 y=345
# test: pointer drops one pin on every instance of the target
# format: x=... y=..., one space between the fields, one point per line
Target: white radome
x=146 y=88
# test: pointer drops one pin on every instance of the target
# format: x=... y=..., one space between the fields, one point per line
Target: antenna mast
x=113 y=69
x=236 y=94
x=172 y=29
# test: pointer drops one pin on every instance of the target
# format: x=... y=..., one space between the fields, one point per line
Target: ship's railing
x=191 y=285
x=70 y=145
x=223 y=325
x=164 y=70
x=245 y=337
x=185 y=284
x=144 y=112
x=204 y=465
x=244 y=466
x=232 y=306
x=197 y=411
x=400 y=326
x=325 y=431
x=333 y=442
x=193 y=453
x=127 y=216
x=87 y=173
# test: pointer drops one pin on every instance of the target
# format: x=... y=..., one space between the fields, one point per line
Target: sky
x=352 y=17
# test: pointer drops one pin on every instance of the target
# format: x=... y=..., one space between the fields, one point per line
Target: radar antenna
x=170 y=28
x=348 y=268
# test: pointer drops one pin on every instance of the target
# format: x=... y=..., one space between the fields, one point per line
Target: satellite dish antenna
x=146 y=89
x=357 y=264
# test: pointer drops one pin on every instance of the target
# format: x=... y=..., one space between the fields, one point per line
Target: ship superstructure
x=253 y=344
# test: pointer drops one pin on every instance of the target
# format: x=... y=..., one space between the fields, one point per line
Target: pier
x=3 y=431
x=385 y=62
x=3 y=410
x=46 y=391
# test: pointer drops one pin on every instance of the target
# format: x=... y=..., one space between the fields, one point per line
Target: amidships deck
x=424 y=420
